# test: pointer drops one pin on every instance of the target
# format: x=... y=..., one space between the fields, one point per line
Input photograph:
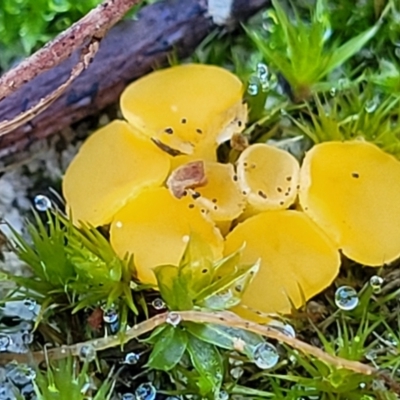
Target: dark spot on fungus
x=170 y=131
x=279 y=189
x=244 y=192
x=288 y=178
x=235 y=178
x=191 y=205
x=215 y=208
x=183 y=120
x=204 y=271
x=245 y=164
x=239 y=123
x=298 y=187
x=238 y=288
x=196 y=195
x=184 y=193
x=203 y=210
x=199 y=130
x=355 y=175
x=281 y=203
x=214 y=200
x=262 y=194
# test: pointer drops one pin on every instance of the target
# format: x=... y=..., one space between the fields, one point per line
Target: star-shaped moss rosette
x=158 y=182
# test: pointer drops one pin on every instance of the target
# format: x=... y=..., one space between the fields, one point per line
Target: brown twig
x=220 y=318
x=87 y=54
x=93 y=25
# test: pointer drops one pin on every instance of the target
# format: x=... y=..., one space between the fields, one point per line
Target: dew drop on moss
x=158 y=304
x=376 y=283
x=42 y=203
x=346 y=298
x=87 y=353
x=145 y=391
x=173 y=319
x=5 y=340
x=265 y=356
x=131 y=358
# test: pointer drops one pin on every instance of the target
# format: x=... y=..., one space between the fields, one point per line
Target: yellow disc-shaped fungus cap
x=268 y=176
x=182 y=106
x=352 y=191
x=297 y=259
x=221 y=196
x=155 y=228
x=113 y=165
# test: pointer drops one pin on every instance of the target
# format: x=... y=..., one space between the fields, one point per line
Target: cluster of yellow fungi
x=155 y=179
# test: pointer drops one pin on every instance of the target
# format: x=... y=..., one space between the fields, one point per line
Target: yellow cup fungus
x=352 y=191
x=297 y=259
x=155 y=227
x=156 y=179
x=113 y=165
x=186 y=106
x=268 y=177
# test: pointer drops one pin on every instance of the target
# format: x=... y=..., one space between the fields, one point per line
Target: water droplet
x=30 y=304
x=158 y=304
x=346 y=298
x=236 y=372
x=223 y=395
x=21 y=374
x=252 y=89
x=42 y=203
x=87 y=353
x=371 y=105
x=265 y=355
x=173 y=319
x=27 y=337
x=332 y=91
x=5 y=340
x=128 y=396
x=376 y=283
x=131 y=358
x=262 y=71
x=286 y=329
x=110 y=316
x=362 y=385
x=145 y=391
x=118 y=224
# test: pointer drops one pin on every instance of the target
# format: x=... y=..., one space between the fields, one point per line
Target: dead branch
x=93 y=25
x=130 y=50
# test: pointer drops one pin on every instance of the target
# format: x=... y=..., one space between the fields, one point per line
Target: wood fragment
x=130 y=50
x=94 y=25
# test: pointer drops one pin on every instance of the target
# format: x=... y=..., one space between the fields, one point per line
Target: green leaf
x=227 y=291
x=226 y=337
x=174 y=292
x=169 y=348
x=208 y=363
x=195 y=268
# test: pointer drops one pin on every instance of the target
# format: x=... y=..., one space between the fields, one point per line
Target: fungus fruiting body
x=155 y=227
x=185 y=106
x=221 y=197
x=113 y=165
x=352 y=191
x=268 y=176
x=297 y=259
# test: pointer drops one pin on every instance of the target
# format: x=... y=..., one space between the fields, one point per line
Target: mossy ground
x=333 y=74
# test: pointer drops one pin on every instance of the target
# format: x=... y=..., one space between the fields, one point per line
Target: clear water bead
x=131 y=358
x=87 y=353
x=42 y=203
x=223 y=395
x=30 y=304
x=110 y=316
x=145 y=391
x=280 y=326
x=5 y=340
x=376 y=283
x=158 y=304
x=346 y=298
x=128 y=396
x=265 y=355
x=174 y=319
